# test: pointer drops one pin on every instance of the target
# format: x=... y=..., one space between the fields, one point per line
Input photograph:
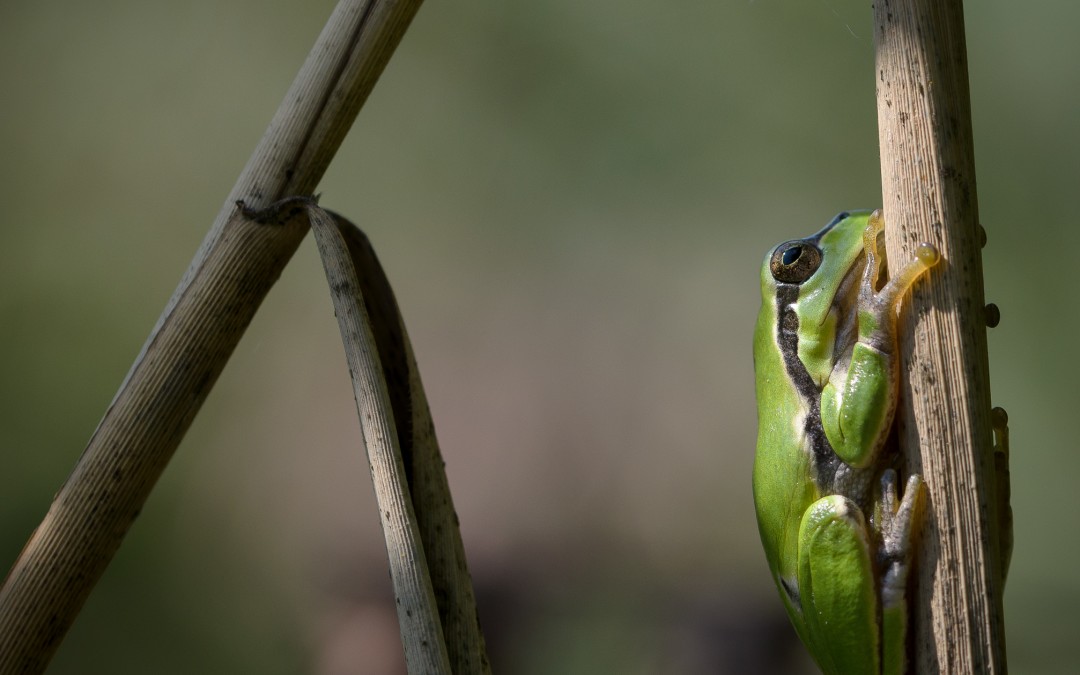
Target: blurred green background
x=572 y=200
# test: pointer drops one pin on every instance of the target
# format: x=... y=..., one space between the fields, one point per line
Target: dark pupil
x=792 y=254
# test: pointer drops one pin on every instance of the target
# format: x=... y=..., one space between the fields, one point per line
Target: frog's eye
x=793 y=262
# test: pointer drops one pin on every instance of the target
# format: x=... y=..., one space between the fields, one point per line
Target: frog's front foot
x=897 y=526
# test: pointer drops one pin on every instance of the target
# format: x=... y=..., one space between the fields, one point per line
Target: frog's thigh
x=837 y=589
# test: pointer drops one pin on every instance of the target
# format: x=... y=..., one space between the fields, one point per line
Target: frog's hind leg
x=838 y=589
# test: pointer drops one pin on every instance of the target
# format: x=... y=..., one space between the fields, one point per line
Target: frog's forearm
x=856 y=417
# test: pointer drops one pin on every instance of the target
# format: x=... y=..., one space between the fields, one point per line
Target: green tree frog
x=837 y=535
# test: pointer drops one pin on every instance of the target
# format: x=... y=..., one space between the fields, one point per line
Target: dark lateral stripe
x=826 y=461
x=816 y=238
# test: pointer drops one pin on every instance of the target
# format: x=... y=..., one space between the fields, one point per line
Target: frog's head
x=811 y=283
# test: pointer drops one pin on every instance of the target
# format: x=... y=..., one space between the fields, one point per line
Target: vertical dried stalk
x=928 y=185
x=233 y=270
